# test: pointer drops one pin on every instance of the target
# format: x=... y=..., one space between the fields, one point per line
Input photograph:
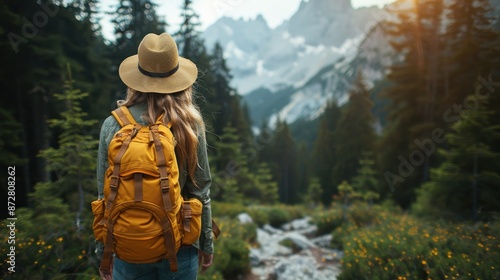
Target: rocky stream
x=292 y=251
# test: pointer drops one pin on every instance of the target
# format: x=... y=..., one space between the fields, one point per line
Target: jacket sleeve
x=202 y=192
x=108 y=129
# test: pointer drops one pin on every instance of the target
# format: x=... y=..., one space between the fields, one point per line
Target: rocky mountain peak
x=332 y=19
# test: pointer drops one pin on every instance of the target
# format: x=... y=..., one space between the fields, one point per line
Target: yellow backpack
x=143 y=217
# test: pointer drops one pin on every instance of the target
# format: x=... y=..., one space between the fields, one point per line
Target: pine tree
x=221 y=100
x=133 y=20
x=227 y=188
x=86 y=11
x=433 y=65
x=240 y=118
x=314 y=193
x=189 y=40
x=72 y=163
x=281 y=155
x=226 y=149
x=266 y=186
x=263 y=144
x=324 y=151
x=95 y=65
x=10 y=144
x=466 y=183
x=355 y=133
x=366 y=182
x=232 y=175
x=191 y=45
x=225 y=104
x=10 y=130
x=414 y=97
x=474 y=56
x=302 y=173
x=473 y=45
x=402 y=113
x=346 y=194
x=231 y=170
x=59 y=219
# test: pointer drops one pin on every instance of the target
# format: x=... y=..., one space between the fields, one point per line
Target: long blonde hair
x=184 y=115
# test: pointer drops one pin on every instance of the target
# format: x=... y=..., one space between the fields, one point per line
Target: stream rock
x=244 y=218
x=302 y=226
x=298 y=240
x=299 y=224
x=324 y=241
x=304 y=267
x=271 y=230
x=269 y=249
x=305 y=256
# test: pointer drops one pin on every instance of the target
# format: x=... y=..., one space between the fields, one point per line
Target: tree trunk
x=475 y=189
x=79 y=212
x=23 y=196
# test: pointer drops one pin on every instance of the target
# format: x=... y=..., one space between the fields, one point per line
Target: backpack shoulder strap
x=123 y=116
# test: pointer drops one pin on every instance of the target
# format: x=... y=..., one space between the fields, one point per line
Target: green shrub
x=296 y=211
x=210 y=274
x=224 y=209
x=239 y=261
x=260 y=215
x=47 y=251
x=362 y=214
x=278 y=216
x=231 y=257
x=340 y=233
x=249 y=232
x=221 y=259
x=290 y=244
x=327 y=221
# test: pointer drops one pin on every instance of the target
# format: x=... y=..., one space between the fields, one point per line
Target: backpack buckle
x=187 y=214
x=114 y=182
x=165 y=186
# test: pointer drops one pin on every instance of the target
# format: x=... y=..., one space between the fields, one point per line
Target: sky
x=273 y=11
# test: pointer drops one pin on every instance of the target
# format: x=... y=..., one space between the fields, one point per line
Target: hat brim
x=182 y=79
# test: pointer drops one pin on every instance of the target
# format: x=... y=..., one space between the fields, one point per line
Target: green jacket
x=202 y=174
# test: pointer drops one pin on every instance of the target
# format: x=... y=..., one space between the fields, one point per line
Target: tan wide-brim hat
x=157 y=67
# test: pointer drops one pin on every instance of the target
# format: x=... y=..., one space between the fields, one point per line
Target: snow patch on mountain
x=309 y=102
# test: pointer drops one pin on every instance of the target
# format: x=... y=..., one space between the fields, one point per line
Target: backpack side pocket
x=98 y=223
x=191 y=221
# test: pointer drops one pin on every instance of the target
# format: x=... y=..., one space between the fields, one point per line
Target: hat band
x=158 y=75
